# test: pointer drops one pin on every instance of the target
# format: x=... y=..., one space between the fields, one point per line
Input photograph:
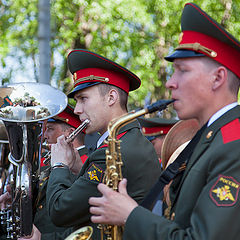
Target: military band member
x=101 y=89
x=205 y=202
x=61 y=125
x=155 y=130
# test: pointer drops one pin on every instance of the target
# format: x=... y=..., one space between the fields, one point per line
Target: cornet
x=69 y=139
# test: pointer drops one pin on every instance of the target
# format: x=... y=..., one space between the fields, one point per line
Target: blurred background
x=36 y=36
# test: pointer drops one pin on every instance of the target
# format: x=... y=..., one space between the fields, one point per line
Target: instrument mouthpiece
x=159 y=105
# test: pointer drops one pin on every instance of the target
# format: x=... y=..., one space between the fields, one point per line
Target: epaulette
x=231 y=131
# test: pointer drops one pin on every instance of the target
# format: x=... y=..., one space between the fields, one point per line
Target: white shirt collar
x=80 y=147
x=220 y=112
x=102 y=138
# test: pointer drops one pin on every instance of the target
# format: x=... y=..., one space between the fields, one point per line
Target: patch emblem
x=94 y=173
x=225 y=191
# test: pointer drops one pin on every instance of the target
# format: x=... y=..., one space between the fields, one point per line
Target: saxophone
x=113 y=172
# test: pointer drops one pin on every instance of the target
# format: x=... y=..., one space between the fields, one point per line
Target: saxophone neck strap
x=171 y=171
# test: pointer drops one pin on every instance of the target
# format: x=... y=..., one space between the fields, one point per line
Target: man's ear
x=219 y=77
x=112 y=96
x=70 y=130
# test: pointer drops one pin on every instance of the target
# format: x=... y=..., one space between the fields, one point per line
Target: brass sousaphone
x=23 y=106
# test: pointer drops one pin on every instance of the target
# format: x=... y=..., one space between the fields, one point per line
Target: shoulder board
x=231 y=131
x=118 y=137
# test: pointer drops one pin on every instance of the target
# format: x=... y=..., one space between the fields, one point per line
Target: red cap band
x=101 y=75
x=153 y=131
x=226 y=54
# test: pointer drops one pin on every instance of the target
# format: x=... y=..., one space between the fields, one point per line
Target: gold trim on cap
x=180 y=37
x=197 y=47
x=92 y=77
x=61 y=119
x=74 y=77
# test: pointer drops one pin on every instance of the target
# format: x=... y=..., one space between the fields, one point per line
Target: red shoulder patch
x=231 y=131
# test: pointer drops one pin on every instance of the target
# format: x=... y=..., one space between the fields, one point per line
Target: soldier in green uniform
x=155 y=130
x=205 y=202
x=101 y=89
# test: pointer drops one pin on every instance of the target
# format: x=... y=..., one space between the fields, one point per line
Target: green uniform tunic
x=67 y=199
x=205 y=204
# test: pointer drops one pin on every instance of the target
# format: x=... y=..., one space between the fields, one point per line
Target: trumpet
x=69 y=139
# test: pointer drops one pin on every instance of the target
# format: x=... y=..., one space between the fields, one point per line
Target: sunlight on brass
x=30 y=101
x=83 y=233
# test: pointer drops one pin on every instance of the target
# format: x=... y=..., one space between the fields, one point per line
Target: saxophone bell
x=84 y=233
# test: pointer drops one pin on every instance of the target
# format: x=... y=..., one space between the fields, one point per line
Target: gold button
x=209 y=134
x=213 y=54
x=172 y=216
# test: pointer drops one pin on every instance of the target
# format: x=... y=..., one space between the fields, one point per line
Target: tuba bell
x=23 y=107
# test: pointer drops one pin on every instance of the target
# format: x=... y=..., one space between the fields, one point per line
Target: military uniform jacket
x=42 y=219
x=206 y=203
x=68 y=198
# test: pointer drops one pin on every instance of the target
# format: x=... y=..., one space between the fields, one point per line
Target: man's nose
x=78 y=109
x=171 y=83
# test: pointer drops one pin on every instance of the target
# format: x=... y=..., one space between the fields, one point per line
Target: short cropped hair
x=233 y=79
x=123 y=96
x=79 y=137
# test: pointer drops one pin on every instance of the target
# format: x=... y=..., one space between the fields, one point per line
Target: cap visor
x=183 y=54
x=81 y=87
x=150 y=138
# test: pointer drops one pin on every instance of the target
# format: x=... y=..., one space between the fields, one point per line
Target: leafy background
x=135 y=33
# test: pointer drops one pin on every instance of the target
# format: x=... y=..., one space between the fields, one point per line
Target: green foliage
x=136 y=33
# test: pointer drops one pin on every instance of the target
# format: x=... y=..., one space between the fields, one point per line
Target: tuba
x=23 y=107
